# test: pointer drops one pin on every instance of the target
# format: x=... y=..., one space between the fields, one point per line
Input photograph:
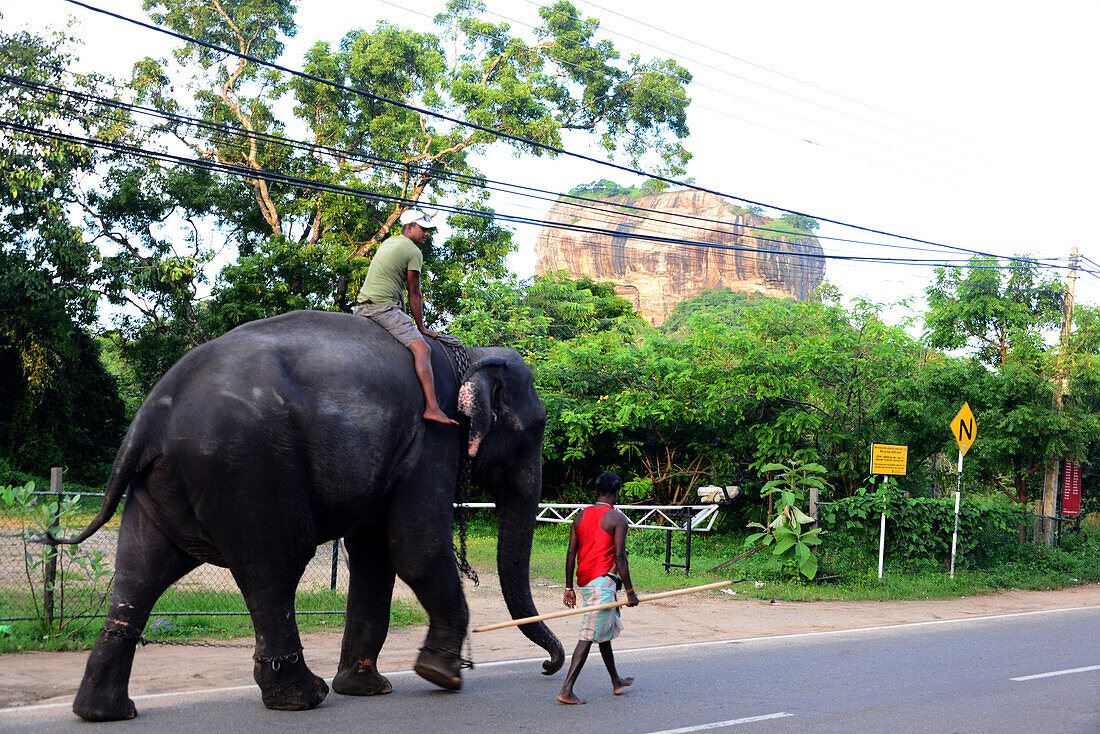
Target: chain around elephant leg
x=442 y=666
x=287 y=684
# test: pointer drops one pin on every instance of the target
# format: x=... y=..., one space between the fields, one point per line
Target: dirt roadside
x=39 y=678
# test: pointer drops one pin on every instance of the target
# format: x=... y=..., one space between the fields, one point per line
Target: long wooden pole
x=608 y=605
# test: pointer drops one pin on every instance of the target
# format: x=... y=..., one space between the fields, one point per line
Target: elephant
x=294 y=430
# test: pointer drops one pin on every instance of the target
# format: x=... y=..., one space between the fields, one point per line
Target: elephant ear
x=483 y=399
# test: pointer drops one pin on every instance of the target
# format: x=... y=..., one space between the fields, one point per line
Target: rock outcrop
x=651 y=255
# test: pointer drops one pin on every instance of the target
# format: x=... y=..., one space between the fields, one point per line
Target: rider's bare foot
x=439 y=416
x=570 y=698
x=621 y=685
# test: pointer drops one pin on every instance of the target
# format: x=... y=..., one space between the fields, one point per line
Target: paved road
x=1014 y=673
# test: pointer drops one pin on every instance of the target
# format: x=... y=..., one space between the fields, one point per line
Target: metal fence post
x=335 y=562
x=687 y=553
x=50 y=569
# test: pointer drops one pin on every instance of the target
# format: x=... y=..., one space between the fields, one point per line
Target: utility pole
x=1061 y=381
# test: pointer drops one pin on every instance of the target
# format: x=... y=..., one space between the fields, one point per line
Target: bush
x=919 y=529
x=66 y=585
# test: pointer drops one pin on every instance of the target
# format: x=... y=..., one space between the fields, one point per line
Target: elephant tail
x=125 y=468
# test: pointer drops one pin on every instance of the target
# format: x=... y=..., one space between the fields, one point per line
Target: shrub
x=918 y=529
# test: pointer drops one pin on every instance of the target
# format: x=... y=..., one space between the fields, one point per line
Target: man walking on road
x=597 y=548
x=395 y=267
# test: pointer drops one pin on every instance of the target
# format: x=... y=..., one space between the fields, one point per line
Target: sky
x=970 y=124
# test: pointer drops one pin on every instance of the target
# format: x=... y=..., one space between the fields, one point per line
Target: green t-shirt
x=387 y=274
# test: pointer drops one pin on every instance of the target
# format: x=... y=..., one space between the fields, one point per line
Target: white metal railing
x=651 y=517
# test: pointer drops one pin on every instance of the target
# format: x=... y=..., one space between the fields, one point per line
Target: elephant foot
x=361 y=679
x=289 y=686
x=441 y=667
x=93 y=707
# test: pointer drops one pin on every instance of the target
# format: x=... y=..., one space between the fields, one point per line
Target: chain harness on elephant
x=462 y=489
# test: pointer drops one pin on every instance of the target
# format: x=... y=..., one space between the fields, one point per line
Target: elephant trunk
x=516 y=512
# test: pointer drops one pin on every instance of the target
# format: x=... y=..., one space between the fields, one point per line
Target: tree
x=744 y=382
x=383 y=157
x=718 y=304
x=1001 y=316
x=59 y=407
x=804 y=380
x=800 y=222
x=531 y=315
x=1008 y=321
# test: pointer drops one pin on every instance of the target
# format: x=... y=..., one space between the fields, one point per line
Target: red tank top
x=595 y=546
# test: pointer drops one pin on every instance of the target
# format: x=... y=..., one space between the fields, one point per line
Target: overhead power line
x=725 y=93
x=609 y=212
x=797 y=80
x=288 y=180
x=482 y=128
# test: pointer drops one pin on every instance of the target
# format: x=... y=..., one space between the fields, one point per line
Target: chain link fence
x=63 y=582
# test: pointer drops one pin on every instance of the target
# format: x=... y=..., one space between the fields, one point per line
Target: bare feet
x=439 y=416
x=572 y=699
x=621 y=685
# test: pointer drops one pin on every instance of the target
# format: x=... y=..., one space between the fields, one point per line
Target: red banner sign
x=1071 y=488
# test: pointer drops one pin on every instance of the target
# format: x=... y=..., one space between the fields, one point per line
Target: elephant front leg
x=434 y=578
x=370 y=592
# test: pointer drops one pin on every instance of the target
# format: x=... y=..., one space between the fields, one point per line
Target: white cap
x=415 y=216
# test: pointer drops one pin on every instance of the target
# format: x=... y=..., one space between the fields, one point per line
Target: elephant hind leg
x=287 y=684
x=147 y=563
x=370 y=591
x=279 y=667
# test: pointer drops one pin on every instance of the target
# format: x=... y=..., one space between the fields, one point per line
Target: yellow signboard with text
x=888 y=458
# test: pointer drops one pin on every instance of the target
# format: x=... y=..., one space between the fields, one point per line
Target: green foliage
x=279 y=276
x=721 y=307
x=742 y=379
x=918 y=529
x=1004 y=318
x=800 y=379
x=533 y=316
x=1007 y=321
x=81 y=579
x=58 y=405
x=61 y=407
x=786 y=533
x=605 y=189
x=637 y=490
x=300 y=248
x=799 y=222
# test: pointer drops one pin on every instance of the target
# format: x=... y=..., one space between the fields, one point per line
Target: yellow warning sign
x=888 y=458
x=964 y=429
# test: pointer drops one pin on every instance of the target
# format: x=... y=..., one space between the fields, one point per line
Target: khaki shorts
x=391 y=318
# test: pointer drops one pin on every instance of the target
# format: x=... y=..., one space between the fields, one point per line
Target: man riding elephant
x=395 y=267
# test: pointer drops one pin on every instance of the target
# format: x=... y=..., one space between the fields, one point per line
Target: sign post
x=965 y=431
x=1071 y=488
x=890 y=460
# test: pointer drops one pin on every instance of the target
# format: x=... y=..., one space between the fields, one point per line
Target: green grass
x=845 y=574
x=170 y=621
